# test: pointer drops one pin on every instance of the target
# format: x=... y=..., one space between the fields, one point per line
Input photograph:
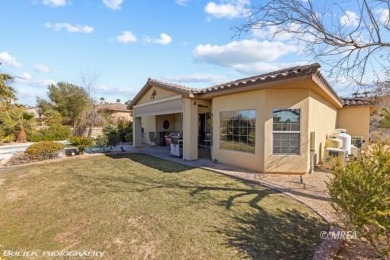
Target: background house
x=115 y=112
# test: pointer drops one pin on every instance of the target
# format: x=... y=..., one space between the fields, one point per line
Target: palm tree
x=17 y=122
x=81 y=142
x=7 y=93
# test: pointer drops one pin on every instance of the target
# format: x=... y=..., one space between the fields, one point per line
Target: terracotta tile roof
x=357 y=101
x=172 y=86
x=112 y=106
x=288 y=73
x=292 y=72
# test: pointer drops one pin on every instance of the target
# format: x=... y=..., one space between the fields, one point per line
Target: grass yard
x=140 y=207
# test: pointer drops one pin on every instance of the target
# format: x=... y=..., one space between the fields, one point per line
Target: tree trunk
x=21 y=136
x=90 y=129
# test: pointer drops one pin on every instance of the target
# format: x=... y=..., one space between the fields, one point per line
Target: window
x=238 y=130
x=286 y=131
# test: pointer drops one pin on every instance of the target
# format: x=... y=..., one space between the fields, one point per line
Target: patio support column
x=190 y=129
x=137 y=132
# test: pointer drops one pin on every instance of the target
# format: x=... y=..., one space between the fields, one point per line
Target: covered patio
x=159 y=113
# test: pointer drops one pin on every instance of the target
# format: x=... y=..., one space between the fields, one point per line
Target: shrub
x=112 y=134
x=52 y=133
x=101 y=141
x=125 y=130
x=81 y=142
x=129 y=137
x=44 y=150
x=361 y=190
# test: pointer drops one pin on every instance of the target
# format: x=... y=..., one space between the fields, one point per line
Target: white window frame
x=287 y=132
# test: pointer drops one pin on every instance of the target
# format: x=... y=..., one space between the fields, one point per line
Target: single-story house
x=116 y=112
x=276 y=122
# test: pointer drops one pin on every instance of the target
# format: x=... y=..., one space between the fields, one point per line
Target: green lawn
x=140 y=207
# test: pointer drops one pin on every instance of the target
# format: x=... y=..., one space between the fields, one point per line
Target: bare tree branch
x=352 y=37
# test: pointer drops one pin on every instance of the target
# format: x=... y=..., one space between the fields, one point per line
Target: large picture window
x=286 y=131
x=238 y=130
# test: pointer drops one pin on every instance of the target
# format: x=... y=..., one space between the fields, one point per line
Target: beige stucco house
x=276 y=122
x=116 y=112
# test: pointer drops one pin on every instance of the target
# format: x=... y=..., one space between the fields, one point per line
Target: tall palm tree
x=16 y=121
x=7 y=93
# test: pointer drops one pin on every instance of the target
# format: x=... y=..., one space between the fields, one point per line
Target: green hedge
x=52 y=133
x=44 y=150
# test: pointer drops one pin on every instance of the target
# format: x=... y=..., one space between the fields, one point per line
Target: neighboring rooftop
x=112 y=107
x=362 y=101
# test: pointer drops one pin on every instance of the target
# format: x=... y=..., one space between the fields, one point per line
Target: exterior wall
x=149 y=125
x=125 y=115
x=288 y=99
x=356 y=120
x=322 y=121
x=240 y=101
x=190 y=129
x=263 y=101
x=159 y=123
x=160 y=94
x=178 y=122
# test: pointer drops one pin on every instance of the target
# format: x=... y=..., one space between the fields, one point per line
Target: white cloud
x=383 y=15
x=26 y=79
x=117 y=92
x=6 y=58
x=263 y=67
x=113 y=4
x=126 y=37
x=181 y=2
x=70 y=28
x=41 y=68
x=230 y=9
x=242 y=52
x=25 y=76
x=246 y=56
x=349 y=19
x=195 y=78
x=54 y=3
x=164 y=39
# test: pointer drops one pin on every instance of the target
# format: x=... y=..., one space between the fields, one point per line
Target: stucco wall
x=240 y=101
x=160 y=94
x=287 y=99
x=264 y=101
x=161 y=118
x=125 y=115
x=322 y=121
x=149 y=125
x=356 y=120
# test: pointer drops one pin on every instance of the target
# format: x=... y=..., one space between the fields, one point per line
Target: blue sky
x=190 y=42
